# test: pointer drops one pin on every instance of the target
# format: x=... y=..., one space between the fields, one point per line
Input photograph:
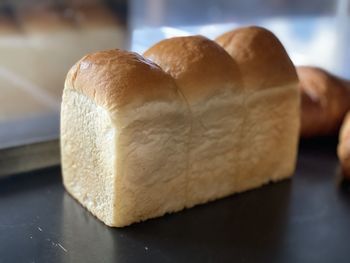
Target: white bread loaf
x=271 y=124
x=124 y=138
x=137 y=143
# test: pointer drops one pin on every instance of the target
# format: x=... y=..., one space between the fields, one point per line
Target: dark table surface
x=306 y=219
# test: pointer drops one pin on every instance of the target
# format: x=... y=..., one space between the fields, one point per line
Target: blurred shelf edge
x=29 y=144
x=29 y=157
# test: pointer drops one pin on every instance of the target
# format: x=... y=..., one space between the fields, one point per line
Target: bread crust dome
x=115 y=79
x=199 y=66
x=261 y=58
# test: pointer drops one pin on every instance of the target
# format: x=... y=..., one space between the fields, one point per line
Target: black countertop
x=306 y=219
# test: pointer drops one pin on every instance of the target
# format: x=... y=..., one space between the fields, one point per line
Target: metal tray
x=306 y=219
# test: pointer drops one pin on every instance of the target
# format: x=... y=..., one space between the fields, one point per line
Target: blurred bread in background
x=7 y=24
x=40 y=40
x=325 y=101
x=19 y=96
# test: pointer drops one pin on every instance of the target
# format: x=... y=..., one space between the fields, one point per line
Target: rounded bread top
x=199 y=66
x=261 y=58
x=117 y=78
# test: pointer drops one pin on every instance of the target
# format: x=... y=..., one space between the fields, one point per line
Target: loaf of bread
x=124 y=138
x=325 y=101
x=269 y=134
x=140 y=140
x=343 y=150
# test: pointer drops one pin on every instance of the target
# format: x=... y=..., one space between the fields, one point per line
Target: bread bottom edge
x=131 y=221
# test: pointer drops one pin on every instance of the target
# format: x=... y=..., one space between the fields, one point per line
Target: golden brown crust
x=116 y=78
x=325 y=101
x=199 y=65
x=261 y=57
